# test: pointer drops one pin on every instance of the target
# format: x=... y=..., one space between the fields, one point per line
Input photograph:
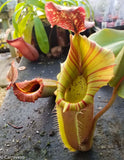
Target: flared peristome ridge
x=28 y=91
x=31 y=90
x=88 y=60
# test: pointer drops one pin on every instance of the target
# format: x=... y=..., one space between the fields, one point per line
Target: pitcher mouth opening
x=30 y=87
x=72 y=98
x=76 y=91
x=28 y=91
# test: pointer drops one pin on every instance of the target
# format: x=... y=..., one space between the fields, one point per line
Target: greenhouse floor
x=29 y=130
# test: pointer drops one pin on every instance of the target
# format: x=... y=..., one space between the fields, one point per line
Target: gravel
x=2 y=94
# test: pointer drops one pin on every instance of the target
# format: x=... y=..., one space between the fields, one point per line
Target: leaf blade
x=38 y=4
x=41 y=35
x=4 y=4
x=15 y=18
x=118 y=69
x=121 y=90
x=22 y=24
x=28 y=32
x=110 y=39
x=19 y=5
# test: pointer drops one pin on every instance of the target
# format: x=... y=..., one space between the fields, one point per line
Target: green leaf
x=19 y=5
x=87 y=9
x=118 y=69
x=15 y=24
x=17 y=14
x=36 y=3
x=41 y=35
x=15 y=35
x=23 y=23
x=91 y=9
x=4 y=5
x=28 y=32
x=110 y=39
x=70 y=2
x=15 y=21
x=121 y=90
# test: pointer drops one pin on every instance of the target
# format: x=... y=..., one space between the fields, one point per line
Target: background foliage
x=29 y=13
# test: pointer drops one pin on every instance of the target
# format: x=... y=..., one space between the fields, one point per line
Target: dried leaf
x=12 y=74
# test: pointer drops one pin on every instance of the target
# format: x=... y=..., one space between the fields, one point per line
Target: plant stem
x=99 y=114
x=112 y=99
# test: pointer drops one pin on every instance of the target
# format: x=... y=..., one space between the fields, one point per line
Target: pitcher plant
x=87 y=68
